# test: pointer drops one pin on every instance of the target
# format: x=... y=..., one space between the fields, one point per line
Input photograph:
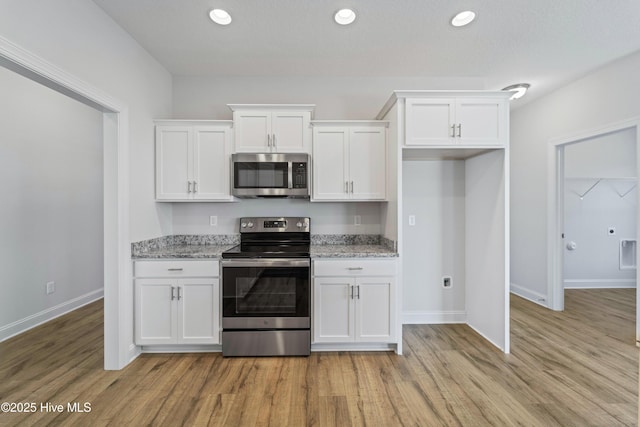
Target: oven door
x=266 y=293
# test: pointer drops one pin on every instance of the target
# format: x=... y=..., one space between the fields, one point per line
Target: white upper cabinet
x=457 y=121
x=192 y=161
x=349 y=161
x=272 y=128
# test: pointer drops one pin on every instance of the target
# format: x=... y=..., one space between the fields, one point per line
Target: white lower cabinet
x=175 y=309
x=354 y=308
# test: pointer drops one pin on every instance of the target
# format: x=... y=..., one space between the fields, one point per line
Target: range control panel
x=275 y=224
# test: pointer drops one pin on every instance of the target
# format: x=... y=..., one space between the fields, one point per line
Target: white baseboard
x=532 y=296
x=23 y=325
x=184 y=348
x=501 y=348
x=599 y=284
x=433 y=317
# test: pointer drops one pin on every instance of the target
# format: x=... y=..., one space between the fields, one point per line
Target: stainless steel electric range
x=266 y=294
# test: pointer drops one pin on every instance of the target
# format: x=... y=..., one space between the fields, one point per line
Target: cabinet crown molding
x=276 y=107
x=384 y=123
x=402 y=94
x=191 y=122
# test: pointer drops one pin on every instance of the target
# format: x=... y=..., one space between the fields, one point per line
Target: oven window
x=261 y=175
x=273 y=291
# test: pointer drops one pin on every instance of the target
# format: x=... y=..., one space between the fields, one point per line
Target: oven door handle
x=266 y=262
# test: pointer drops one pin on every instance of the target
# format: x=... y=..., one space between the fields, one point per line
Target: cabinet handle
x=354 y=268
x=188 y=186
x=351 y=294
x=173 y=295
x=357 y=287
x=275 y=143
x=175 y=269
x=352 y=186
x=453 y=130
x=346 y=186
x=195 y=186
x=180 y=292
x=459 y=130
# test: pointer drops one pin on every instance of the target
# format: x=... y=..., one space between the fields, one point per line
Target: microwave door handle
x=290 y=175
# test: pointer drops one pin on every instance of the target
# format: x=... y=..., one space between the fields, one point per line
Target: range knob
x=250 y=225
x=299 y=224
x=243 y=225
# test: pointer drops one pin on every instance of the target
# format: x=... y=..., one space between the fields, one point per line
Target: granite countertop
x=212 y=246
x=184 y=251
x=351 y=251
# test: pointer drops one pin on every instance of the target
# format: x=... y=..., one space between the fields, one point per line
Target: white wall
x=51 y=219
x=78 y=37
x=326 y=218
x=433 y=191
x=598 y=99
x=602 y=169
x=335 y=98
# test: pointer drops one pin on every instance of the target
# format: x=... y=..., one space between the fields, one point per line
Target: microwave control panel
x=299 y=174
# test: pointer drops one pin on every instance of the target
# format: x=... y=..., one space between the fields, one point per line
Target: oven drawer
x=354 y=267
x=177 y=268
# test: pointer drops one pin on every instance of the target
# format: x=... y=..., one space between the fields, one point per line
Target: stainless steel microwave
x=270 y=175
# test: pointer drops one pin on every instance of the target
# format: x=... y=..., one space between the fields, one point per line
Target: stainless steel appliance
x=266 y=289
x=283 y=175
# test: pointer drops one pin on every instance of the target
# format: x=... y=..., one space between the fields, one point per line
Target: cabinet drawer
x=177 y=268
x=355 y=267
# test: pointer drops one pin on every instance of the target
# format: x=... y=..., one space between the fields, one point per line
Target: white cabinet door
x=211 y=159
x=367 y=163
x=192 y=162
x=330 y=163
x=333 y=315
x=253 y=131
x=198 y=313
x=430 y=121
x=290 y=131
x=155 y=312
x=456 y=122
x=173 y=162
x=375 y=309
x=481 y=121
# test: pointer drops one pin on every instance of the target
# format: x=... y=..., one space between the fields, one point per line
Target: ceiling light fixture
x=518 y=90
x=463 y=18
x=345 y=16
x=220 y=16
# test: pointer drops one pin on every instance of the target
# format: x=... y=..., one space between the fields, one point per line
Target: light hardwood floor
x=576 y=368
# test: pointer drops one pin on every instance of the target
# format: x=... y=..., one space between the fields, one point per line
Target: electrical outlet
x=412 y=220
x=213 y=221
x=357 y=220
x=446 y=282
x=611 y=231
x=51 y=287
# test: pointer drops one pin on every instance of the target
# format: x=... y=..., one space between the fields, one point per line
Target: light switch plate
x=213 y=221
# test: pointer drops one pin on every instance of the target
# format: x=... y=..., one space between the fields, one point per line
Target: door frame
x=555 y=207
x=117 y=254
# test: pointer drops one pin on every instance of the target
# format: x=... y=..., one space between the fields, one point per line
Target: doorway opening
x=593 y=181
x=117 y=269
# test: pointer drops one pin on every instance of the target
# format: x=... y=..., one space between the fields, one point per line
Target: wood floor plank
x=573 y=368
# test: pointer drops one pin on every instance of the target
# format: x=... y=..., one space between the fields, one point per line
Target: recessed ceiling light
x=220 y=16
x=518 y=90
x=345 y=16
x=463 y=18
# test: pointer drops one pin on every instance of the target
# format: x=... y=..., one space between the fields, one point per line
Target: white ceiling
x=544 y=42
